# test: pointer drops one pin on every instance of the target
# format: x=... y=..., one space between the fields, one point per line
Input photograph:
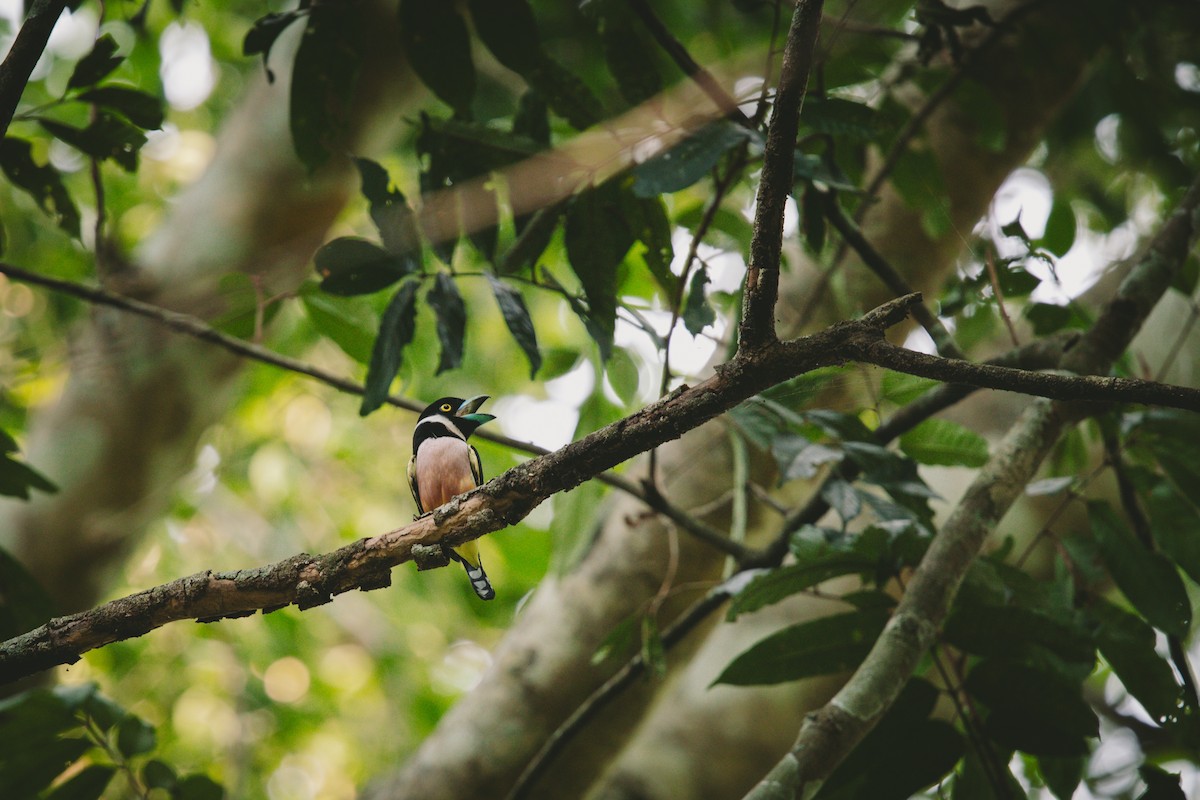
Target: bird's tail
x=468 y=556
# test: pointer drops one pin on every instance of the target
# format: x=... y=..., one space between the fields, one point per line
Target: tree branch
x=762 y=275
x=308 y=581
x=27 y=48
x=828 y=735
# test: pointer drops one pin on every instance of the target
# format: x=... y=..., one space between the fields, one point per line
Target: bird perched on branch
x=444 y=465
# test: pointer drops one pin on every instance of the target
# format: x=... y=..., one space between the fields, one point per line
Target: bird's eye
x=445 y=406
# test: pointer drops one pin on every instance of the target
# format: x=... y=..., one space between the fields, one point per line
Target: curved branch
x=26 y=49
x=307 y=580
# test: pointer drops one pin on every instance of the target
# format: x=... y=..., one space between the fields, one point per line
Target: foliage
x=405 y=293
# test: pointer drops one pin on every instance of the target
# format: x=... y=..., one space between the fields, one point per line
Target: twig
x=26 y=49
x=762 y=273
x=990 y=263
x=192 y=326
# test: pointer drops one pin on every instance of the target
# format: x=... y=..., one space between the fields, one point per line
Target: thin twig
x=989 y=262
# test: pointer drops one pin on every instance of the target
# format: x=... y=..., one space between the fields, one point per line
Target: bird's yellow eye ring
x=445 y=406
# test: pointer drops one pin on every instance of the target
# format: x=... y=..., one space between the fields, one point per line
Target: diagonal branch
x=26 y=49
x=762 y=275
x=307 y=580
x=829 y=735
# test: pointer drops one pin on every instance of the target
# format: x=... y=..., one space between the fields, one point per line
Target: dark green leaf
x=516 y=317
x=17 y=478
x=42 y=183
x=777 y=584
x=597 y=237
x=352 y=266
x=917 y=178
x=262 y=35
x=1148 y=579
x=532 y=119
x=1061 y=775
x=688 y=161
x=648 y=220
x=812 y=169
x=447 y=305
x=396 y=330
x=905 y=752
x=1175 y=522
x=944 y=443
x=438 y=46
x=619 y=642
x=510 y=31
x=566 y=94
x=157 y=775
x=33 y=718
x=197 y=787
x=89 y=784
x=1048 y=318
x=36 y=767
x=653 y=654
x=629 y=58
x=1160 y=784
x=142 y=109
x=813 y=218
x=24 y=604
x=979 y=782
x=102 y=60
x=1032 y=710
x=832 y=644
x=393 y=218
x=106 y=136
x=842 y=498
x=697 y=313
x=1011 y=631
x=1015 y=281
x=323 y=80
x=806 y=460
x=838 y=117
x=1127 y=644
x=351 y=324
x=1060 y=228
x=135 y=736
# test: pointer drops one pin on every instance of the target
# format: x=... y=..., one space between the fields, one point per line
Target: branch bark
x=831 y=733
x=27 y=48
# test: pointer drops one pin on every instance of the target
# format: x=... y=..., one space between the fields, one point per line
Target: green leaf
x=197 y=787
x=567 y=95
x=135 y=736
x=106 y=137
x=447 y=305
x=944 y=443
x=438 y=46
x=1061 y=775
x=622 y=375
x=1127 y=644
x=842 y=498
x=902 y=389
x=597 y=237
x=654 y=656
x=647 y=218
x=1060 y=228
x=905 y=752
x=813 y=218
x=351 y=266
x=396 y=330
x=43 y=184
x=262 y=35
x=142 y=109
x=32 y=718
x=36 y=767
x=24 y=604
x=509 y=30
x=1160 y=784
x=323 y=80
x=1013 y=632
x=1032 y=710
x=157 y=775
x=531 y=120
x=350 y=323
x=101 y=60
x=799 y=458
x=17 y=478
x=618 y=643
x=777 y=584
x=1148 y=579
x=1174 y=523
x=516 y=317
x=833 y=644
x=697 y=313
x=917 y=178
x=88 y=784
x=688 y=161
x=628 y=55
x=839 y=117
x=396 y=222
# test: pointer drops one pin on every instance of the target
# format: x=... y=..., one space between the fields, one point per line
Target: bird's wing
x=476 y=467
x=412 y=483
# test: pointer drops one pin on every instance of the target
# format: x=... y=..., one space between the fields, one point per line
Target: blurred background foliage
x=295 y=705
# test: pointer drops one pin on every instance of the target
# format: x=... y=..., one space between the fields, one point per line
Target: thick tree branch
x=828 y=735
x=26 y=49
x=307 y=580
x=762 y=276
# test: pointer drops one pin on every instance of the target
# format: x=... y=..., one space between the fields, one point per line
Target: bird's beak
x=469 y=407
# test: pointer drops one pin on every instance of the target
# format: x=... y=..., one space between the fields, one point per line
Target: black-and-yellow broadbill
x=443 y=465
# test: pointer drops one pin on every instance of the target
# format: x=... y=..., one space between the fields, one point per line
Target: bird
x=443 y=465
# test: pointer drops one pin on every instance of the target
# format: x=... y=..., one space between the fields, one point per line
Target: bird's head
x=462 y=414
